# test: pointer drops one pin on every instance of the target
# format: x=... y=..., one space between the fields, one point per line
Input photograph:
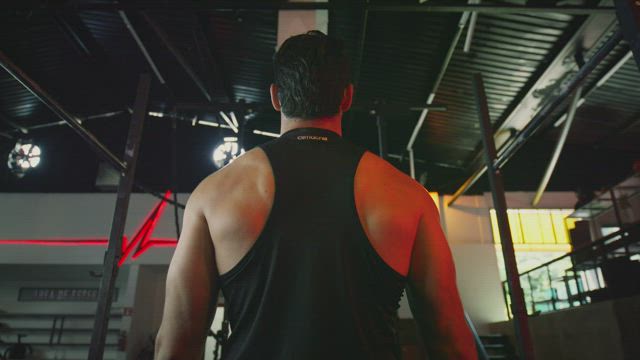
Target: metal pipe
x=616 y=208
x=266 y=133
x=521 y=324
x=614 y=69
x=80 y=119
x=412 y=164
x=443 y=69
x=57 y=109
x=553 y=296
x=559 y=146
x=382 y=136
x=141 y=46
x=266 y=5
x=228 y=121
x=14 y=125
x=174 y=173
x=466 y=185
x=74 y=122
x=482 y=352
x=543 y=115
x=471 y=29
x=177 y=55
x=361 y=42
x=114 y=249
x=628 y=13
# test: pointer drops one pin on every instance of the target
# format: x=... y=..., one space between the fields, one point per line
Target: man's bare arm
x=191 y=292
x=433 y=294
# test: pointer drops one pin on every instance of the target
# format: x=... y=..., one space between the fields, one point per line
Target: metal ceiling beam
x=443 y=69
x=362 y=37
x=628 y=12
x=73 y=121
x=80 y=36
x=62 y=122
x=543 y=116
x=571 y=113
x=603 y=80
x=212 y=62
x=585 y=37
x=177 y=55
x=17 y=127
x=257 y=5
x=142 y=47
x=473 y=19
x=57 y=109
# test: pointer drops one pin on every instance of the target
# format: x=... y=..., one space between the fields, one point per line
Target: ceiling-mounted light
x=226 y=152
x=23 y=157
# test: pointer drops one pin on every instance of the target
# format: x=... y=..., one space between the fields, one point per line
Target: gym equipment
x=18 y=351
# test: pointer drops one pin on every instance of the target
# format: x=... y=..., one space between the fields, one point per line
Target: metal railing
x=585 y=275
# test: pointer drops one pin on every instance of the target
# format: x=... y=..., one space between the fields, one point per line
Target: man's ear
x=275 y=100
x=347 y=98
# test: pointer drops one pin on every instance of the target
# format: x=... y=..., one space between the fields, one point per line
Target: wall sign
x=61 y=294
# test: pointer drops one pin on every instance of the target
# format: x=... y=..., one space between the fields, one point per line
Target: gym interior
x=521 y=118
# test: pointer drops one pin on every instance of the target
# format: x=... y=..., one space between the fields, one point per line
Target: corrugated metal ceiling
x=401 y=56
x=509 y=51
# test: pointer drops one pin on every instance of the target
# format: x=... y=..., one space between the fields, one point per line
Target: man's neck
x=333 y=123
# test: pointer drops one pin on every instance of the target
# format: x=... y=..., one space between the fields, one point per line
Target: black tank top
x=312 y=286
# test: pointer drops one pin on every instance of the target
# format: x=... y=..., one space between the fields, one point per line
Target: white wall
x=15 y=277
x=46 y=216
x=468 y=228
x=466 y=224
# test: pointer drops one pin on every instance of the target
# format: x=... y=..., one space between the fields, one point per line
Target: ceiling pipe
x=614 y=69
x=571 y=114
x=471 y=29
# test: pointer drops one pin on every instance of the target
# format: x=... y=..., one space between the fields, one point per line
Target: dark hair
x=311 y=72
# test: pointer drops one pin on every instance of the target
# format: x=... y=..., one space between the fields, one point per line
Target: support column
x=521 y=321
x=295 y=22
x=114 y=250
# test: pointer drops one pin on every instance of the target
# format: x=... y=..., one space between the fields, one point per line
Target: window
x=537 y=229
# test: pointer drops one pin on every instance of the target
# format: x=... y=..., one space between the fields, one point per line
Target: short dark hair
x=311 y=71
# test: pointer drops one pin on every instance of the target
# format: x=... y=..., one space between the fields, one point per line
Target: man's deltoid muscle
x=311 y=239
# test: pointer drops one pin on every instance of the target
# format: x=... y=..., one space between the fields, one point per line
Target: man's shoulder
x=382 y=187
x=380 y=173
x=246 y=170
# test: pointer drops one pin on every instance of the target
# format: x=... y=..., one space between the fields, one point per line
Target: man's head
x=311 y=77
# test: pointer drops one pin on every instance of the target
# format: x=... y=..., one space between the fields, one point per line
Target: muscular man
x=311 y=239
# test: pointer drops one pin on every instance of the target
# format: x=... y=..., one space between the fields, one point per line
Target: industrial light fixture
x=23 y=157
x=226 y=152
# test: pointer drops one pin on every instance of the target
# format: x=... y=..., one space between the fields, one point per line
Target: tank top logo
x=313 y=137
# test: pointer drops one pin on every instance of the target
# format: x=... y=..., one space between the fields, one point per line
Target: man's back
x=310 y=239
x=305 y=282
